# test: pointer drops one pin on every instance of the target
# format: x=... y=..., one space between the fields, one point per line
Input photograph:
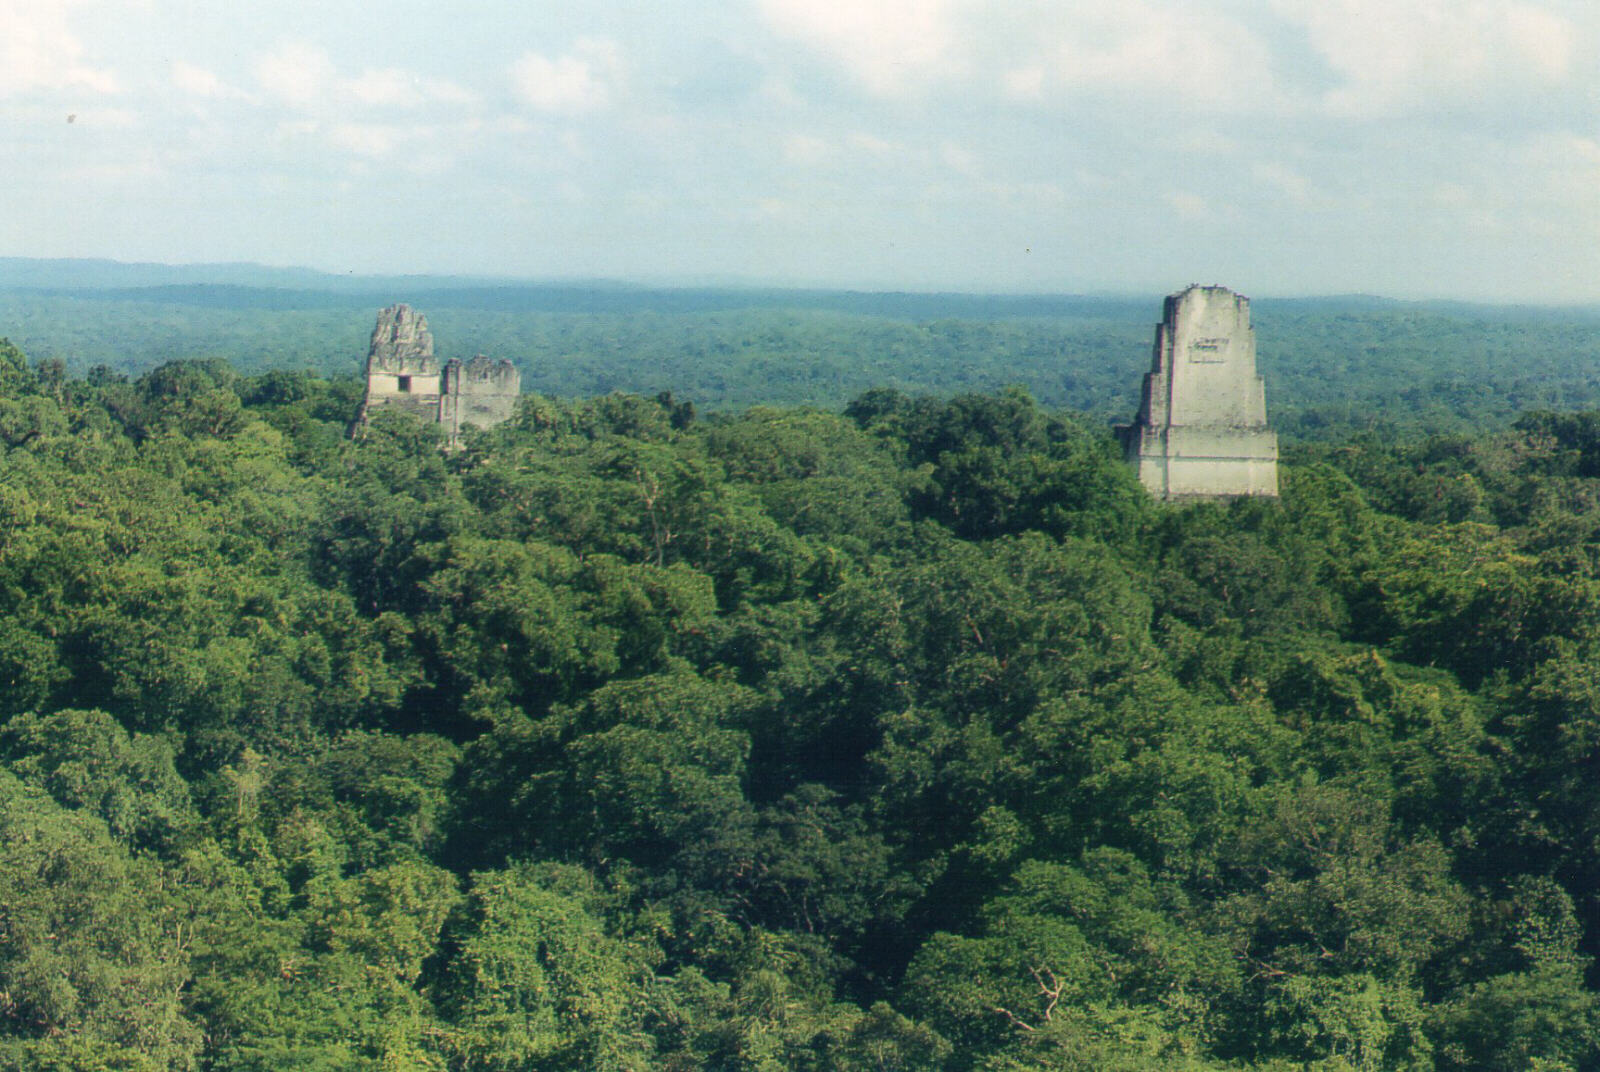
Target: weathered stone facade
x=481 y=391
x=404 y=374
x=1202 y=432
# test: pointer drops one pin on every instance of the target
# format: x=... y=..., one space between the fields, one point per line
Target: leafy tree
x=83 y=759
x=534 y=980
x=1540 y=1019
x=90 y=949
x=1088 y=960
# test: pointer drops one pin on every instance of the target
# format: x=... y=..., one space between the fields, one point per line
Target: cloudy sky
x=1412 y=148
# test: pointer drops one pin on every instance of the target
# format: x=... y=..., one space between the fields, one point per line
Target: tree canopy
x=913 y=736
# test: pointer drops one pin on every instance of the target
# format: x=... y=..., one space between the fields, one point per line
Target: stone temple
x=403 y=374
x=1201 y=432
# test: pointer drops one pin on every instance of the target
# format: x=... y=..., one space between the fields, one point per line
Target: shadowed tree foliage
x=912 y=737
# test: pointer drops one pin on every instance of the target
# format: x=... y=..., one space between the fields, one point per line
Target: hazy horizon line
x=733 y=282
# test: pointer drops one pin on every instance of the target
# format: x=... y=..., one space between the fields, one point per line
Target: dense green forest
x=912 y=736
x=1334 y=367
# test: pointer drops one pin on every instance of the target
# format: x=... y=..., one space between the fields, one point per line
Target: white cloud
x=1557 y=176
x=1286 y=180
x=303 y=76
x=117 y=172
x=200 y=82
x=40 y=51
x=891 y=46
x=1127 y=132
x=871 y=144
x=295 y=129
x=585 y=79
x=374 y=140
x=777 y=207
x=297 y=73
x=958 y=158
x=1205 y=141
x=1024 y=83
x=395 y=88
x=804 y=150
x=357 y=116
x=1188 y=206
x=108 y=118
x=1452 y=195
x=1033 y=51
x=1384 y=56
x=1187 y=57
x=1542 y=38
x=1027 y=196
x=778 y=95
x=389 y=86
x=1402 y=56
x=1584 y=152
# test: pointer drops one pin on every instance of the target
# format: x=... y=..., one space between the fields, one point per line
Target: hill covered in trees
x=1334 y=366
x=908 y=737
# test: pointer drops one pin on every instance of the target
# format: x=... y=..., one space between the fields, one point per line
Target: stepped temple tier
x=1202 y=428
x=402 y=373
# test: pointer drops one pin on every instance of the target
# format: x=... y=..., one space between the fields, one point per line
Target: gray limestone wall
x=480 y=392
x=1211 y=360
x=401 y=343
x=1202 y=426
x=404 y=374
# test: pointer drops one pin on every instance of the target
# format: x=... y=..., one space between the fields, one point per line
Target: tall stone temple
x=403 y=374
x=1202 y=432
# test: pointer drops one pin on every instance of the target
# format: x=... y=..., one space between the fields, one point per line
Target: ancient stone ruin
x=1201 y=432
x=402 y=373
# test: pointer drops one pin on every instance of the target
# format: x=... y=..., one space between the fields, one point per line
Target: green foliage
x=83 y=759
x=535 y=981
x=914 y=737
x=1074 y=958
x=89 y=945
x=1334 y=367
x=996 y=465
x=1541 y=1019
x=649 y=770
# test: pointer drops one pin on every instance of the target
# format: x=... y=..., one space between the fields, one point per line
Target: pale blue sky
x=1412 y=148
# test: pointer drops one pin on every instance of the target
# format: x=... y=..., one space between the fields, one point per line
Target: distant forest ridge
x=254 y=286
x=603 y=298
x=1333 y=365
